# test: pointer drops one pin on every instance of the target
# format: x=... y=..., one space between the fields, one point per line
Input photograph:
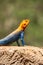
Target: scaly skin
x=16 y=35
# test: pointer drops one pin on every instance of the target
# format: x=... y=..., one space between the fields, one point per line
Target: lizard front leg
x=18 y=43
x=22 y=38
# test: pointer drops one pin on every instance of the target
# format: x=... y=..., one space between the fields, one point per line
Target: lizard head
x=24 y=24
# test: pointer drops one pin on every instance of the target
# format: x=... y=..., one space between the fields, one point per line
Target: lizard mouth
x=24 y=27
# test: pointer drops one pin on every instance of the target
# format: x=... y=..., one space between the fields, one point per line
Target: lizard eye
x=26 y=21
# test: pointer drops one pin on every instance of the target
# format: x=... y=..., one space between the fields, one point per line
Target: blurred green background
x=12 y=12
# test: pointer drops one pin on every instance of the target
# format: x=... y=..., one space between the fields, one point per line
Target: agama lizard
x=16 y=35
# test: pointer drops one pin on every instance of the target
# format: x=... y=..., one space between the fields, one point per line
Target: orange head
x=24 y=24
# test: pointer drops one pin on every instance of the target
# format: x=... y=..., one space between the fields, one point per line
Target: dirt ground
x=27 y=55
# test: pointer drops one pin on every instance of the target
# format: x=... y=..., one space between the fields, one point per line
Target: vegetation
x=12 y=12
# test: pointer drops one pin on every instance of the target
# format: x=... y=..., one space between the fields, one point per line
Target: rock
x=27 y=55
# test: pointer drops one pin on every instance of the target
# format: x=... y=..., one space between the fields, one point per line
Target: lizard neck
x=20 y=28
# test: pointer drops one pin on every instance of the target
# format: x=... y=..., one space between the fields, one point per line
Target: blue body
x=12 y=38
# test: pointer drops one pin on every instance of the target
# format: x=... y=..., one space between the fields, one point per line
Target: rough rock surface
x=27 y=55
